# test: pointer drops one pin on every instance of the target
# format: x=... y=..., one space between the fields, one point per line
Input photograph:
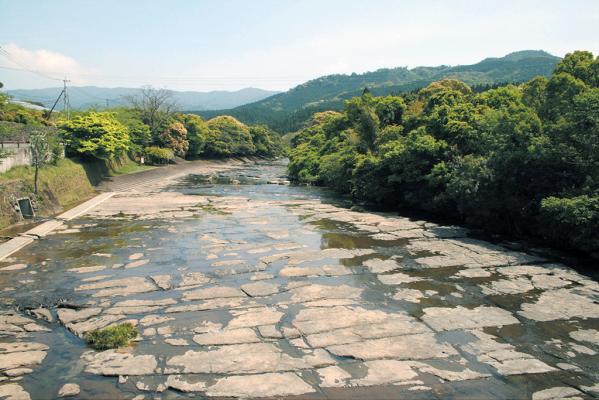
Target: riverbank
x=56 y=189
x=61 y=187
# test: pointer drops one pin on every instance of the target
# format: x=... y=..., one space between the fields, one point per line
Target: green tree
x=40 y=152
x=361 y=113
x=266 y=142
x=578 y=64
x=175 y=137
x=95 y=134
x=139 y=132
x=227 y=137
x=197 y=131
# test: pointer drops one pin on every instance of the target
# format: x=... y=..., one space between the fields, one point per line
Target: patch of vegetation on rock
x=111 y=337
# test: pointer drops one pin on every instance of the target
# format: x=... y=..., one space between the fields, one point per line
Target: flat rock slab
x=408 y=347
x=118 y=287
x=252 y=358
x=333 y=376
x=385 y=372
x=586 y=335
x=325 y=270
x=378 y=266
x=558 y=393
x=560 y=304
x=21 y=346
x=446 y=319
x=181 y=384
x=503 y=356
x=260 y=288
x=79 y=328
x=227 y=336
x=217 y=292
x=67 y=315
x=317 y=292
x=13 y=391
x=255 y=317
x=21 y=359
x=111 y=363
x=264 y=385
x=398 y=278
x=508 y=286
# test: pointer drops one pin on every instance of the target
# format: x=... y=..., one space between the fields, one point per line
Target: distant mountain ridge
x=84 y=97
x=287 y=111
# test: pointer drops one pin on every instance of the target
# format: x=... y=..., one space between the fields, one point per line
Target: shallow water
x=250 y=214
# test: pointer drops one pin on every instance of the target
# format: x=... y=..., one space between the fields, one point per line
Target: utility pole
x=107 y=103
x=65 y=99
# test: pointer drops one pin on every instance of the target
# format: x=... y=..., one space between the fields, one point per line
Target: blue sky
x=271 y=44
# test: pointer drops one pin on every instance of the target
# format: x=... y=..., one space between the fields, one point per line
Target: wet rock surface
x=246 y=290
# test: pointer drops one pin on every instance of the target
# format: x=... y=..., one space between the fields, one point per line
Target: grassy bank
x=61 y=186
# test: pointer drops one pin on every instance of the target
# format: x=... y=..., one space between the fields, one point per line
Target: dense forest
x=287 y=112
x=521 y=159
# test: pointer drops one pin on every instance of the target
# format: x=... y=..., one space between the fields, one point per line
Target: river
x=241 y=285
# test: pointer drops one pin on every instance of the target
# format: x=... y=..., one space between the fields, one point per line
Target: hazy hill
x=97 y=97
x=286 y=111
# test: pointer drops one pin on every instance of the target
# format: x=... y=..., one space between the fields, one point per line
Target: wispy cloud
x=46 y=62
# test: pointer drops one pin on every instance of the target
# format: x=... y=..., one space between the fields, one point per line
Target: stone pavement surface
x=273 y=291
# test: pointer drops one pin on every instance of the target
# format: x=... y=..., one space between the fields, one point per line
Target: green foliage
x=196 y=133
x=266 y=142
x=16 y=113
x=139 y=132
x=159 y=155
x=96 y=134
x=111 y=337
x=227 y=137
x=574 y=220
x=39 y=144
x=516 y=159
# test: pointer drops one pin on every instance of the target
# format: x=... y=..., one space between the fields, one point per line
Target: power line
x=8 y=56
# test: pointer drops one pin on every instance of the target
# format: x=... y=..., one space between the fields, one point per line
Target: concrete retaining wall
x=18 y=156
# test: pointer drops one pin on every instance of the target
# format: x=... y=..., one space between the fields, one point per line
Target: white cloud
x=48 y=63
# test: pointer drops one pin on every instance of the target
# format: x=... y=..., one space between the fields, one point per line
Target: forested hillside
x=286 y=112
x=522 y=159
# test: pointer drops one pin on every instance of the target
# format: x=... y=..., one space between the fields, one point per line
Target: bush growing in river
x=111 y=337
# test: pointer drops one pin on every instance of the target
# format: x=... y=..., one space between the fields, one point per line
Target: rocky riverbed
x=242 y=286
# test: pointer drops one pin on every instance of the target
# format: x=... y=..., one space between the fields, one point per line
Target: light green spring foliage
x=158 y=155
x=96 y=134
x=521 y=159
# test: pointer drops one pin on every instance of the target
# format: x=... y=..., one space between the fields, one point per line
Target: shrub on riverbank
x=159 y=155
x=518 y=159
x=111 y=337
